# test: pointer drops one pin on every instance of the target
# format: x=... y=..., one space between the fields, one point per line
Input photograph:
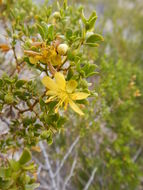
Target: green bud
x=15 y=36
x=56 y=14
x=8 y=98
x=45 y=134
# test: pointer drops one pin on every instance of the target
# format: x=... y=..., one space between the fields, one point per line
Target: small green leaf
x=51 y=32
x=8 y=98
x=14 y=165
x=5 y=173
x=1 y=83
x=45 y=134
x=32 y=186
x=41 y=31
x=94 y=38
x=83 y=17
x=20 y=83
x=92 y=44
x=68 y=34
x=25 y=157
x=29 y=167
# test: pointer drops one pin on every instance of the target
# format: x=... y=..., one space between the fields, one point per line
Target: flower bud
x=8 y=98
x=56 y=14
x=62 y=49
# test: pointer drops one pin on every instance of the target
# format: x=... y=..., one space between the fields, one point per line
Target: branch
x=138 y=153
x=48 y=165
x=70 y=174
x=90 y=179
x=67 y=155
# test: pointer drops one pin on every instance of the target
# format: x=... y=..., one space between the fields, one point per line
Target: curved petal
x=71 y=86
x=52 y=98
x=79 y=95
x=75 y=108
x=33 y=60
x=51 y=93
x=49 y=83
x=60 y=80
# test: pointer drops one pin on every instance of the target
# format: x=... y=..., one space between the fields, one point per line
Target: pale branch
x=42 y=187
x=90 y=179
x=138 y=153
x=48 y=165
x=70 y=174
x=42 y=166
x=67 y=155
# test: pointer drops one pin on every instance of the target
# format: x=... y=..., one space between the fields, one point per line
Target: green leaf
x=94 y=38
x=25 y=157
x=61 y=121
x=14 y=165
x=49 y=140
x=83 y=17
x=51 y=32
x=68 y=34
x=5 y=173
x=20 y=83
x=1 y=83
x=92 y=16
x=8 y=98
x=6 y=184
x=45 y=134
x=65 y=4
x=29 y=167
x=92 y=44
x=41 y=31
x=32 y=186
x=89 y=23
x=89 y=69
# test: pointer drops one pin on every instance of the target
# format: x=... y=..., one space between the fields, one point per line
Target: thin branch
x=67 y=155
x=70 y=174
x=51 y=69
x=90 y=179
x=48 y=165
x=138 y=153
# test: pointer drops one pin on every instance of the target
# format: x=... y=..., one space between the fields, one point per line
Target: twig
x=70 y=174
x=67 y=155
x=138 y=153
x=51 y=68
x=90 y=179
x=48 y=165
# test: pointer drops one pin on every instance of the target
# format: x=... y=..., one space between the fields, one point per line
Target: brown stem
x=51 y=68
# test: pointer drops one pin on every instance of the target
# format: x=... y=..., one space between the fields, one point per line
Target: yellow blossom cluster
x=44 y=53
x=58 y=89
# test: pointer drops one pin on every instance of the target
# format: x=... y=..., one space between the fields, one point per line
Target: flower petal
x=51 y=93
x=71 y=86
x=33 y=60
x=52 y=98
x=79 y=95
x=60 y=80
x=75 y=107
x=49 y=83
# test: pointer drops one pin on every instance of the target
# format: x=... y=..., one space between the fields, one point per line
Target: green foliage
x=16 y=174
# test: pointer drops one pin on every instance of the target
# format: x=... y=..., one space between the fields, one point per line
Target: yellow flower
x=45 y=55
x=63 y=91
